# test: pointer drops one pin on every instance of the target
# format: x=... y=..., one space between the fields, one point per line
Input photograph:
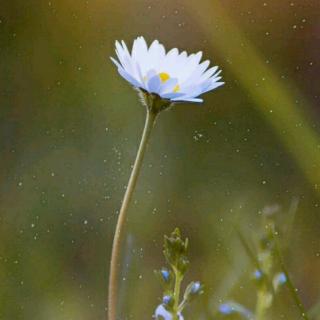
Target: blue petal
x=172 y=95
x=154 y=84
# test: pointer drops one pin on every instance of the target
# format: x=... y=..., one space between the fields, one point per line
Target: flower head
x=171 y=75
x=233 y=308
x=162 y=314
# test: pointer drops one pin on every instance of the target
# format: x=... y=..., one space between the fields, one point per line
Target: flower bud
x=165 y=273
x=167 y=300
x=279 y=280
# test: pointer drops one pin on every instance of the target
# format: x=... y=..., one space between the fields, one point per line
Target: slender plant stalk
x=292 y=288
x=176 y=293
x=261 y=307
x=119 y=232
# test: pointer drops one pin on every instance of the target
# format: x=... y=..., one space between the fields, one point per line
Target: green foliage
x=270 y=275
x=175 y=252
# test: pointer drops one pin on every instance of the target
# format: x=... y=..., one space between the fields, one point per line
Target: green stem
x=119 y=232
x=261 y=307
x=292 y=288
x=182 y=305
x=176 y=293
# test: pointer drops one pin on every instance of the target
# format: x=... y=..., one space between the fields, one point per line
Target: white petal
x=196 y=75
x=214 y=86
x=124 y=57
x=139 y=53
x=209 y=73
x=125 y=48
x=216 y=75
x=116 y=62
x=173 y=52
x=155 y=54
x=129 y=78
x=188 y=99
x=198 y=57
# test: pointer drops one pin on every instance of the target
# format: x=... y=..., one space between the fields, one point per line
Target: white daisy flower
x=173 y=76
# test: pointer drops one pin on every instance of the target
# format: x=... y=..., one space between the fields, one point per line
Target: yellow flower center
x=164 y=77
x=176 y=88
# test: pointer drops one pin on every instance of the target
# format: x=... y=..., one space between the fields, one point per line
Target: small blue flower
x=279 y=280
x=225 y=308
x=282 y=278
x=165 y=274
x=231 y=308
x=196 y=287
x=258 y=274
x=166 y=300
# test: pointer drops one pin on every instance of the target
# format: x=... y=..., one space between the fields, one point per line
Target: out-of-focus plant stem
x=261 y=306
x=292 y=288
x=119 y=232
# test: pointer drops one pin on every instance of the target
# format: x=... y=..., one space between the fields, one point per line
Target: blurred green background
x=70 y=126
